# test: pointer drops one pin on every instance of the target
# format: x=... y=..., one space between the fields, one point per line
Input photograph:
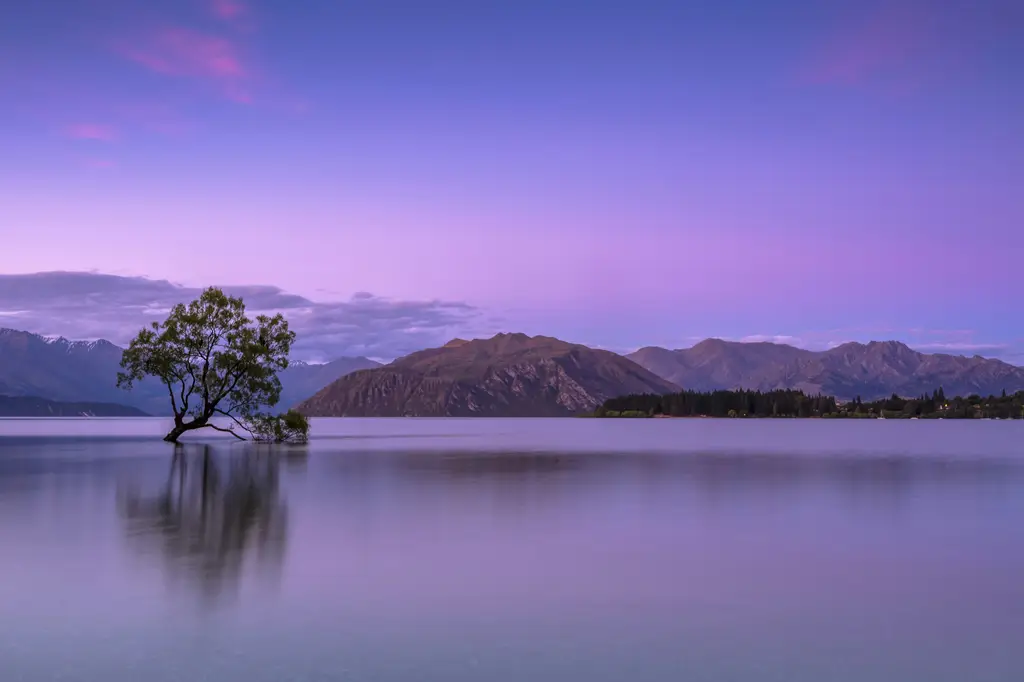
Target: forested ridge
x=797 y=404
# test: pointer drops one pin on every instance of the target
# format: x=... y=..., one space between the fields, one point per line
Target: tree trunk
x=175 y=433
x=181 y=427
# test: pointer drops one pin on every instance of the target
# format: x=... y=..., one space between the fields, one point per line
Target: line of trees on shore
x=787 y=403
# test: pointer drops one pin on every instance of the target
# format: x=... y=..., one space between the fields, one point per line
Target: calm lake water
x=500 y=550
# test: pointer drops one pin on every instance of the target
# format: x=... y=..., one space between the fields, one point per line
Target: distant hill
x=514 y=374
x=873 y=370
x=70 y=371
x=86 y=371
x=509 y=375
x=301 y=380
x=31 y=406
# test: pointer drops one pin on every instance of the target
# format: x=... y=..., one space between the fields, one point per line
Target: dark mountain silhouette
x=873 y=370
x=86 y=371
x=70 y=371
x=509 y=375
x=31 y=406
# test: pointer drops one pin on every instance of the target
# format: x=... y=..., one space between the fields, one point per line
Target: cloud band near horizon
x=91 y=306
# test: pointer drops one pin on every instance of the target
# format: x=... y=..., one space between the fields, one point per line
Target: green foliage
x=630 y=414
x=722 y=404
x=290 y=427
x=788 y=403
x=938 y=406
x=214 y=361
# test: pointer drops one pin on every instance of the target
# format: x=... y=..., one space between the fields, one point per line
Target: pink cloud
x=101 y=164
x=219 y=60
x=228 y=9
x=962 y=347
x=186 y=53
x=888 y=41
x=183 y=52
x=90 y=131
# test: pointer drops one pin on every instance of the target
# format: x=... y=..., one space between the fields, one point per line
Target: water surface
x=515 y=550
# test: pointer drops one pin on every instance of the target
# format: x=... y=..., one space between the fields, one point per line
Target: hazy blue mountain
x=872 y=370
x=86 y=371
x=301 y=380
x=31 y=406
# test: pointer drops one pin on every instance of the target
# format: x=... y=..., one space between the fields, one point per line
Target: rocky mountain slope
x=509 y=375
x=86 y=371
x=873 y=370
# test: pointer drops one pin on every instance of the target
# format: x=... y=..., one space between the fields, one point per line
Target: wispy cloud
x=186 y=53
x=960 y=347
x=1011 y=352
x=101 y=164
x=228 y=10
x=83 y=305
x=772 y=338
x=889 y=40
x=90 y=131
x=183 y=52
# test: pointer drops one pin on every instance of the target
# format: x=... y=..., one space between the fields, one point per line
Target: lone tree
x=217 y=364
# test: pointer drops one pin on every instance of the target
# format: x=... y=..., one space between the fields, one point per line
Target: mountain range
x=510 y=375
x=31 y=406
x=86 y=371
x=302 y=380
x=872 y=370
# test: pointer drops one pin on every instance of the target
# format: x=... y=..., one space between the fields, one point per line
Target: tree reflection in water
x=218 y=516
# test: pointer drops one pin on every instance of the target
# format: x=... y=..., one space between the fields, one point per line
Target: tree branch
x=171 y=371
x=223 y=430
x=234 y=419
x=214 y=338
x=185 y=396
x=225 y=393
x=192 y=386
x=174 y=403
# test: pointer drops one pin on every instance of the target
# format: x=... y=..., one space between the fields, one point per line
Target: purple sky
x=619 y=174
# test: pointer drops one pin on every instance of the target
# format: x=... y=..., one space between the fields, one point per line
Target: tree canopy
x=216 y=364
x=792 y=403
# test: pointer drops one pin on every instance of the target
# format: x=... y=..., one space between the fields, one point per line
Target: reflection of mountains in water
x=695 y=468
x=216 y=513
